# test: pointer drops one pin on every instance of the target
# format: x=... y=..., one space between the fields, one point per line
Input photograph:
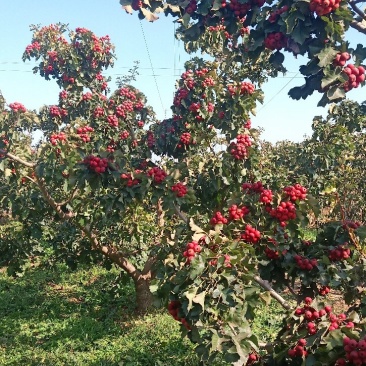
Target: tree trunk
x=144 y=297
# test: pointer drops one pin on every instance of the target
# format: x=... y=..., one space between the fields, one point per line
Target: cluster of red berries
x=189 y=83
x=56 y=111
x=124 y=108
x=305 y=263
x=56 y=137
x=150 y=140
x=194 y=107
x=191 y=250
x=299 y=349
x=63 y=94
x=157 y=174
x=128 y=93
x=251 y=235
x=185 y=138
x=275 y=41
x=256 y=187
x=35 y=46
x=324 y=290
x=274 y=16
x=355 y=352
x=98 y=112
x=239 y=9
x=284 y=212
x=296 y=192
x=341 y=59
x=271 y=253
x=339 y=253
x=180 y=189
x=173 y=308
x=192 y=7
x=248 y=124
x=131 y=181
x=356 y=75
x=227 y=261
x=239 y=151
x=83 y=132
x=244 y=88
x=136 y=4
x=208 y=81
x=17 y=107
x=237 y=213
x=111 y=147
x=266 y=196
x=217 y=28
x=348 y=224
x=218 y=219
x=87 y=96
x=124 y=135
x=182 y=93
x=323 y=7
x=311 y=316
x=96 y=164
x=112 y=120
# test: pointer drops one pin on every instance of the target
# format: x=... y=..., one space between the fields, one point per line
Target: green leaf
x=200 y=299
x=326 y=56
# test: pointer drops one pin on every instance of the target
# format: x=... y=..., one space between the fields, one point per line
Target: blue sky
x=280 y=117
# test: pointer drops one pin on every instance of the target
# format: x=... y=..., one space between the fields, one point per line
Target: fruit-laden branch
x=256 y=278
x=17 y=159
x=272 y=292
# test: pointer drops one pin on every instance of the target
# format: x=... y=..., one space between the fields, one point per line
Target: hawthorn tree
x=218 y=239
x=250 y=237
x=329 y=163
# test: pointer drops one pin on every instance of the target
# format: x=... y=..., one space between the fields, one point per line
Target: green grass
x=57 y=317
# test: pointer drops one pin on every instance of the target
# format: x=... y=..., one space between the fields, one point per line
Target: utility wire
x=152 y=68
x=276 y=95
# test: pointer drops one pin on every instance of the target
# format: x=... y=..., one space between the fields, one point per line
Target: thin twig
x=272 y=292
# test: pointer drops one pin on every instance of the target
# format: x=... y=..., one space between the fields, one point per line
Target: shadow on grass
x=57 y=317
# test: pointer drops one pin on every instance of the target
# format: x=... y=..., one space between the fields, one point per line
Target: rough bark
x=144 y=297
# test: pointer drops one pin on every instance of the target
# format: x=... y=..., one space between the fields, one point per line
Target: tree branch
x=357 y=10
x=272 y=292
x=358 y=26
x=181 y=214
x=17 y=159
x=56 y=206
x=111 y=253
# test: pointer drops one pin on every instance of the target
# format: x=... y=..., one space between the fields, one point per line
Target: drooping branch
x=17 y=159
x=272 y=292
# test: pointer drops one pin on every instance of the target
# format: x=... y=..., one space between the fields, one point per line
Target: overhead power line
x=276 y=95
x=152 y=68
